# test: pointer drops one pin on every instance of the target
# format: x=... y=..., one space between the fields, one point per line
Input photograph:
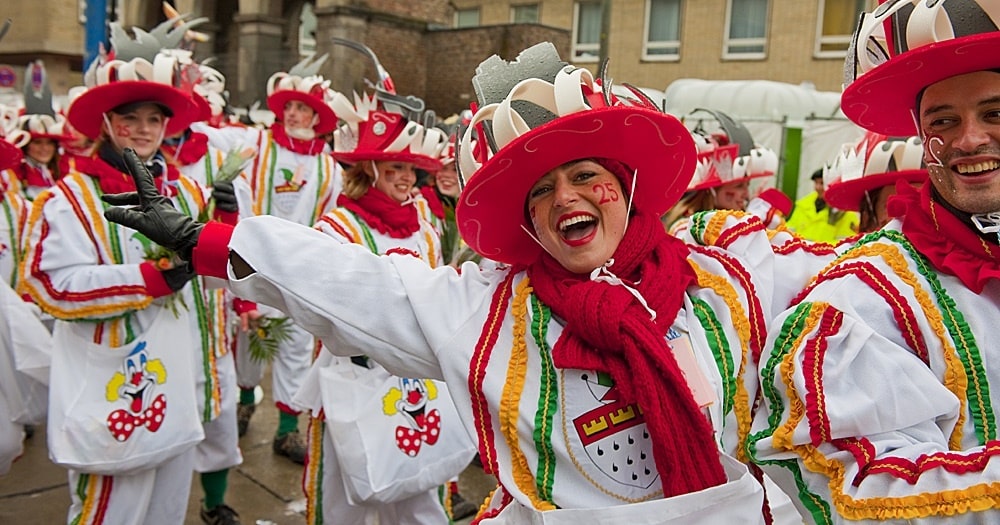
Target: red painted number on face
x=607 y=191
x=122 y=130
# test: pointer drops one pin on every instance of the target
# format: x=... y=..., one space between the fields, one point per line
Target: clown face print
x=134 y=386
x=423 y=424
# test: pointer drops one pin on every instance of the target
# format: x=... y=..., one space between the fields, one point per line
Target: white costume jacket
x=299 y=187
x=85 y=272
x=876 y=384
x=555 y=438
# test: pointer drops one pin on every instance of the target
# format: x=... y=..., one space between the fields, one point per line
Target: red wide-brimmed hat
x=146 y=69
x=39 y=117
x=137 y=81
x=906 y=45
x=372 y=132
x=581 y=119
x=12 y=138
x=875 y=161
x=302 y=83
x=728 y=154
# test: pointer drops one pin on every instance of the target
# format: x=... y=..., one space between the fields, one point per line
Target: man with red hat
x=294 y=177
x=879 y=384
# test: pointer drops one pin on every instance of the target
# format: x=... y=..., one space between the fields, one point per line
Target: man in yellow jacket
x=813 y=219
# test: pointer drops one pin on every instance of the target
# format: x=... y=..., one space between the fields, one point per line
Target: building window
x=586 y=31
x=307 y=30
x=836 y=24
x=663 y=21
x=524 y=14
x=746 y=37
x=467 y=17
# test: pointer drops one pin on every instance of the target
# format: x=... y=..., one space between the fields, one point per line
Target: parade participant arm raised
x=591 y=382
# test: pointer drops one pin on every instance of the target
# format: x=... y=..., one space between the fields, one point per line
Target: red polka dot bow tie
x=410 y=439
x=121 y=423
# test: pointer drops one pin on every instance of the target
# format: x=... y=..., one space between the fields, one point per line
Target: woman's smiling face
x=579 y=213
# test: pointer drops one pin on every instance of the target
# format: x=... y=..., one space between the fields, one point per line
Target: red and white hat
x=12 y=138
x=211 y=91
x=906 y=45
x=541 y=123
x=729 y=154
x=38 y=117
x=372 y=132
x=303 y=83
x=146 y=69
x=875 y=161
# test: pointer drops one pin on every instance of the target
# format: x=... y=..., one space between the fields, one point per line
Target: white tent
x=787 y=118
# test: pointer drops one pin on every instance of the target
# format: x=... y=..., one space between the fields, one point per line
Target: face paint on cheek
x=607 y=192
x=123 y=131
x=933 y=150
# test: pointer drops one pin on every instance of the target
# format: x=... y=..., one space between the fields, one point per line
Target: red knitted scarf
x=383 y=213
x=302 y=147
x=608 y=330
x=112 y=180
x=192 y=149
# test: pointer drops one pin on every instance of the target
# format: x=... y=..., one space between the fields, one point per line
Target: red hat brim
x=490 y=211
x=327 y=118
x=848 y=195
x=884 y=99
x=86 y=112
x=10 y=156
x=420 y=161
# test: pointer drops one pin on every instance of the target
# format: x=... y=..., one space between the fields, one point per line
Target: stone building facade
x=431 y=47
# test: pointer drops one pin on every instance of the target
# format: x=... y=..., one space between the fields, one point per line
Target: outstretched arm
x=152 y=214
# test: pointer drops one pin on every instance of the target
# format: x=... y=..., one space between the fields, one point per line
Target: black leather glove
x=177 y=277
x=225 y=196
x=150 y=213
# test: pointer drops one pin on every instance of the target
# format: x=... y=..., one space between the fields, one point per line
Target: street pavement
x=264 y=490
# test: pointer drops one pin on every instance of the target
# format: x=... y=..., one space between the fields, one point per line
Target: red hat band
x=117 y=82
x=370 y=133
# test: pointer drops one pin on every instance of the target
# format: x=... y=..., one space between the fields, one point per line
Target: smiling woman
x=606 y=369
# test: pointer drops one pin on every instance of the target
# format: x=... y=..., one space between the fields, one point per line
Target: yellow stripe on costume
x=511 y=399
x=738 y=316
